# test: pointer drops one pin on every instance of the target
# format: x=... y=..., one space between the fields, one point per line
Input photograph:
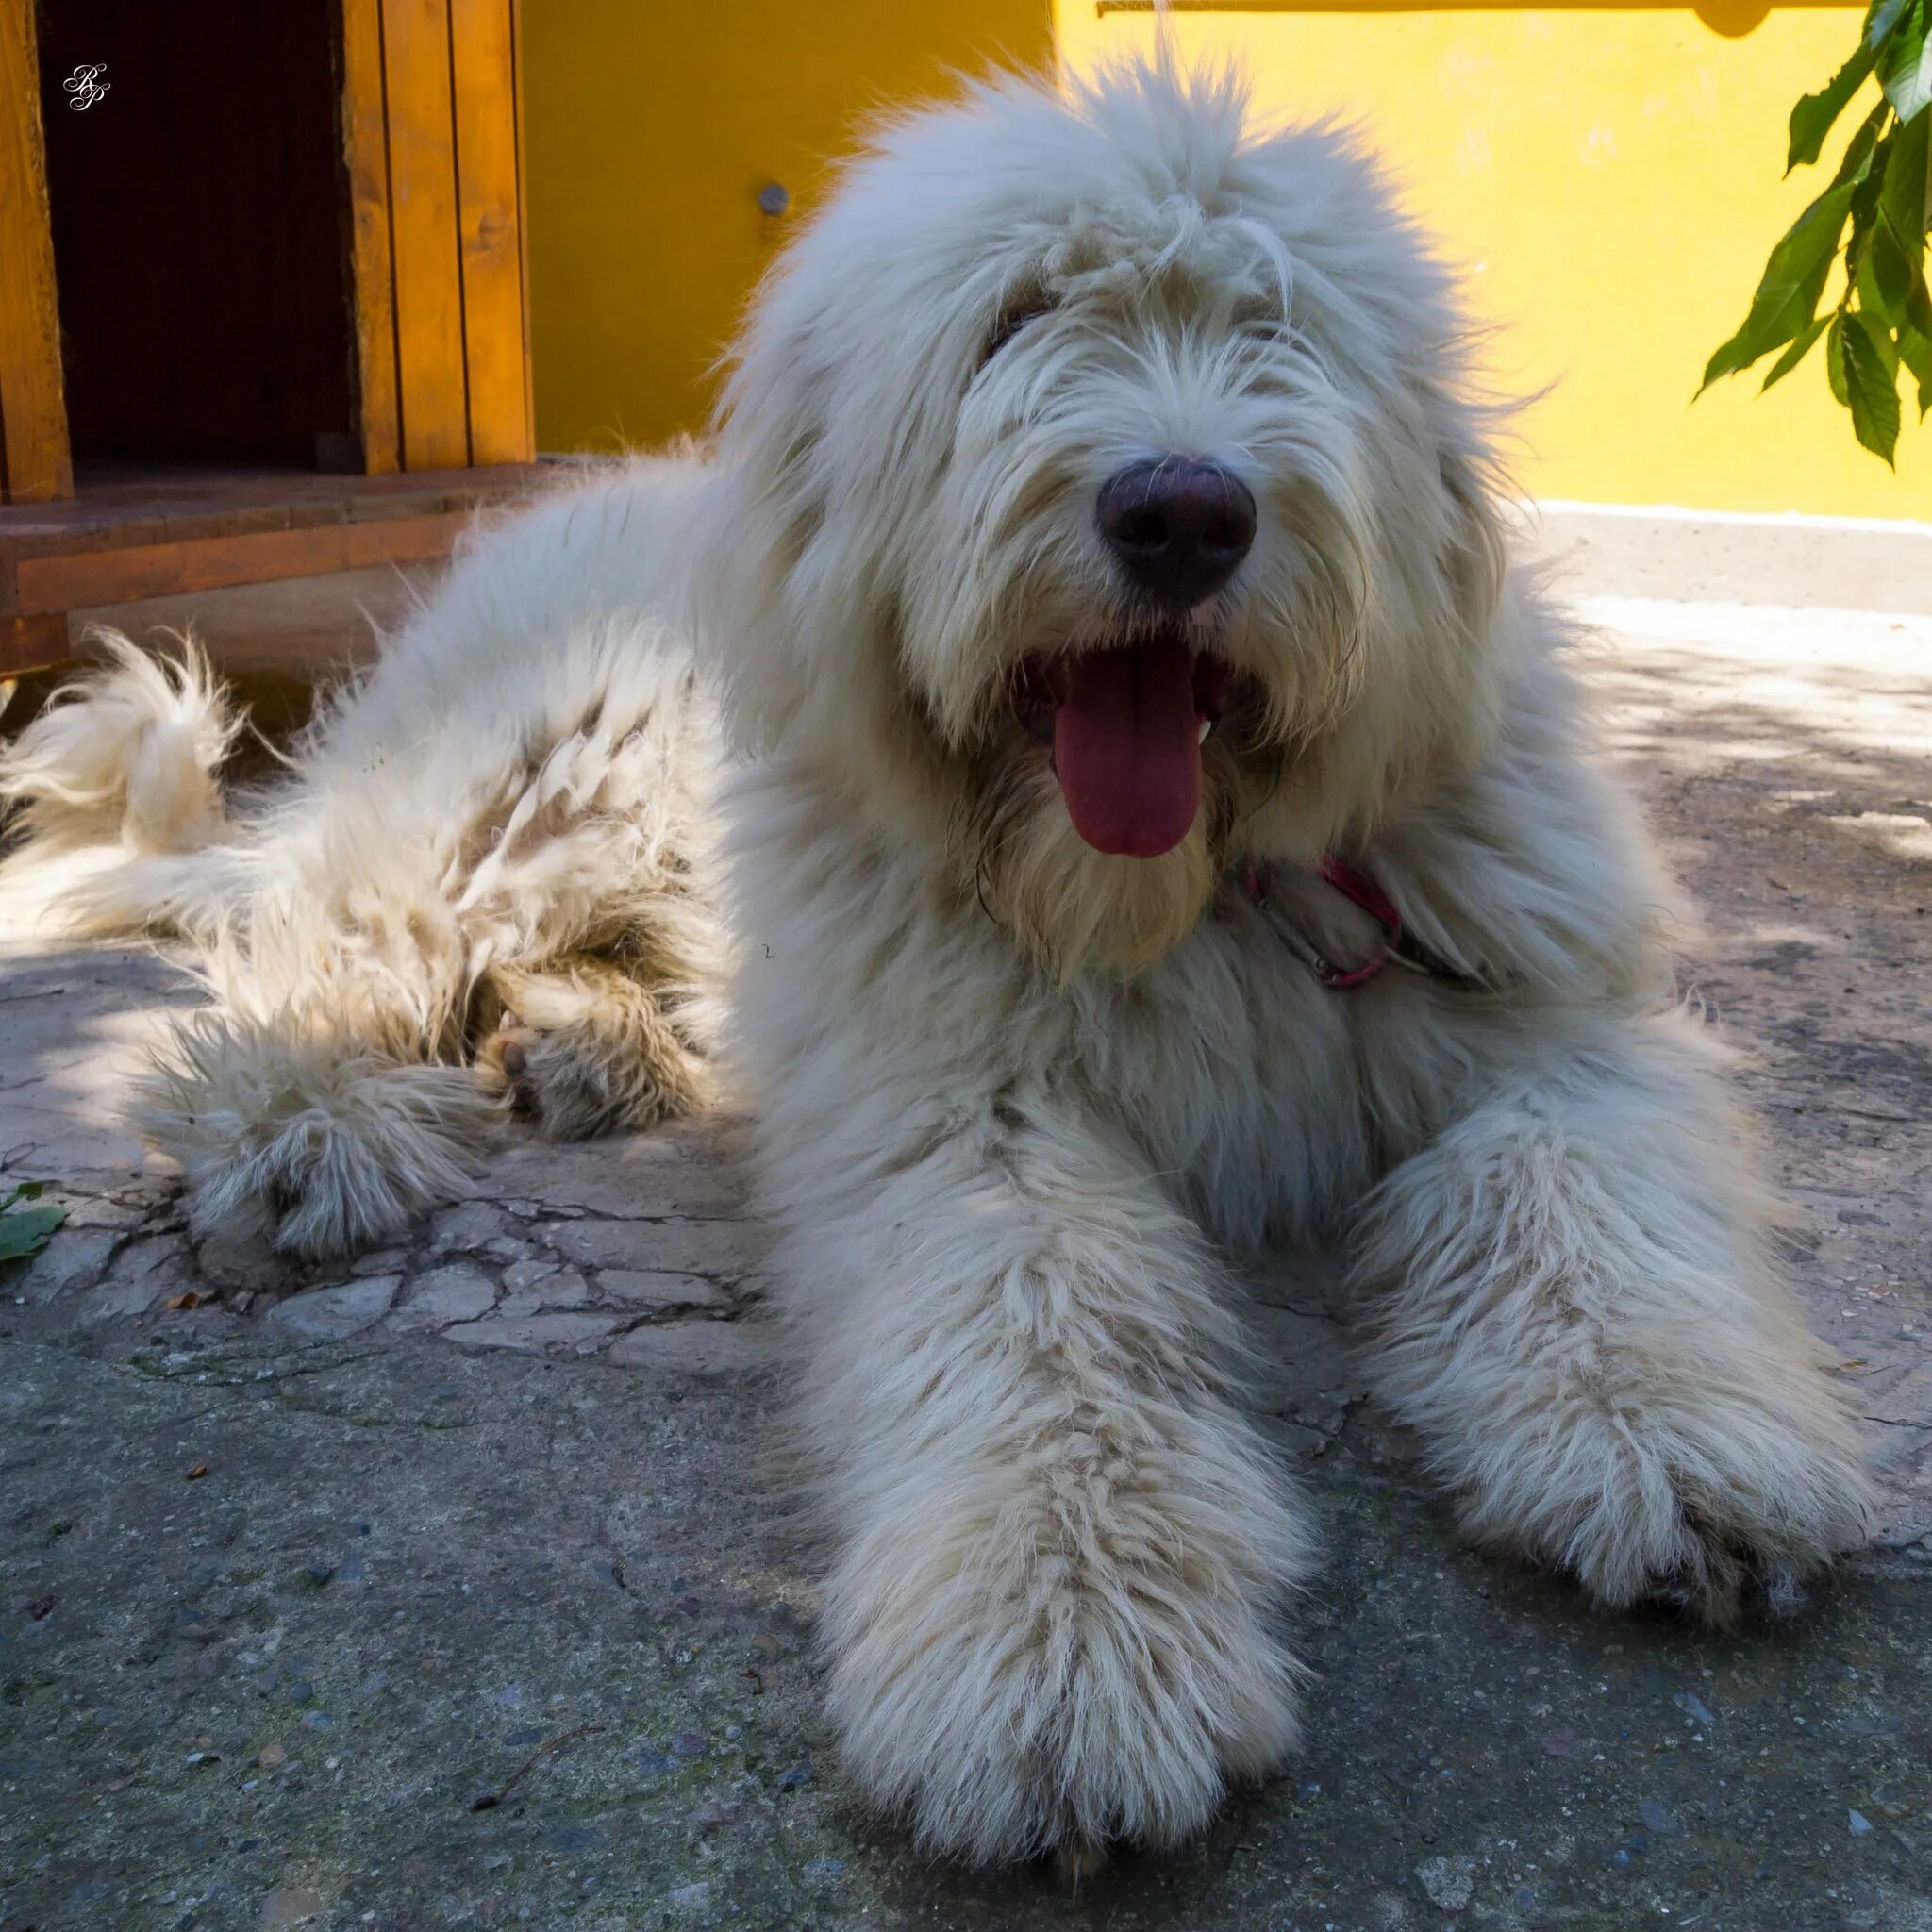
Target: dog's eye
x=1013 y=317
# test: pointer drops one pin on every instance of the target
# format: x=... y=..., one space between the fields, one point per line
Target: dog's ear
x=762 y=516
x=1474 y=554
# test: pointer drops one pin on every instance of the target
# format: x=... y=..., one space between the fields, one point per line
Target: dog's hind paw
x=580 y=1060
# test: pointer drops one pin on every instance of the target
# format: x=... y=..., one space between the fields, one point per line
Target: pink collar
x=1358 y=886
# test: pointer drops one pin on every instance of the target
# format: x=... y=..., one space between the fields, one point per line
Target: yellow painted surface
x=650 y=125
x=1609 y=178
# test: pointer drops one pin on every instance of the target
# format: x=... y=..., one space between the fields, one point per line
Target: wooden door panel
x=483 y=61
x=365 y=155
x=423 y=219
x=34 y=461
x=433 y=146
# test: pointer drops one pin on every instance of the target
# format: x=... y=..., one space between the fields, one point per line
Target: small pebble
x=301 y=1690
x=1655 y=1818
x=798 y=1774
x=318 y=1720
x=687 y=1744
x=1859 y=1823
x=319 y=1573
x=1449 y=1882
x=690 y=1895
x=270 y=1756
x=1695 y=1707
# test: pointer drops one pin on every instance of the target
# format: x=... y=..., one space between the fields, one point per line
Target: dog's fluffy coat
x=1018 y=1097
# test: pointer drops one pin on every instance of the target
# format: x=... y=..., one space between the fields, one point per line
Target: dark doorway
x=197 y=209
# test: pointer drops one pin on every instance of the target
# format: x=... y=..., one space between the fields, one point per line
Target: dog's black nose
x=1178 y=527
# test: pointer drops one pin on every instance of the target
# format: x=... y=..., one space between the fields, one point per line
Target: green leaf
x=1882 y=17
x=1884 y=276
x=1797 y=352
x=1904 y=202
x=1915 y=352
x=1857 y=162
x=1905 y=68
x=1915 y=341
x=1871 y=379
x=1813 y=117
x=1794 y=279
x=1835 y=360
x=23 y=1231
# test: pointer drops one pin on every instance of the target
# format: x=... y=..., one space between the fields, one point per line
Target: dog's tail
x=124 y=760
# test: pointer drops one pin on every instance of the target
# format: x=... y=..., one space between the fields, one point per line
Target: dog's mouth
x=1126 y=723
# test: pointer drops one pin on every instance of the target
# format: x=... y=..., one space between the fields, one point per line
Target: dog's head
x=1103 y=503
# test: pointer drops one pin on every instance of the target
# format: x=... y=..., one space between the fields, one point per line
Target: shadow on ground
x=295 y=1573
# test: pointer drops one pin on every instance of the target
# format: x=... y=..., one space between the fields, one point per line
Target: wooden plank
x=482 y=65
x=423 y=229
x=32 y=643
x=516 y=68
x=112 y=516
x=212 y=563
x=425 y=238
x=372 y=274
x=35 y=464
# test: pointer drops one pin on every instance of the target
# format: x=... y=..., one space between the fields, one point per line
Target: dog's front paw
x=1055 y=1707
x=313 y=1144
x=1693 y=1495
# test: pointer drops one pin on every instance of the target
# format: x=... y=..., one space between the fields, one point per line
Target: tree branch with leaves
x=1872 y=223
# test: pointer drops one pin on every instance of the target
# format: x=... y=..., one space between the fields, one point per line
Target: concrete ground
x=441 y=1589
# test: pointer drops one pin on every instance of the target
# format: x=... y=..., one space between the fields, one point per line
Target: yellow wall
x=650 y=125
x=1610 y=177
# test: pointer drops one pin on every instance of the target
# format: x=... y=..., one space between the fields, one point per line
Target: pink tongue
x=1126 y=748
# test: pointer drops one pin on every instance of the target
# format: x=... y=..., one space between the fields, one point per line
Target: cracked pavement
x=443 y=1587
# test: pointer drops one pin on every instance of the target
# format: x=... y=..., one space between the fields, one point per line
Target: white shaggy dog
x=1099 y=561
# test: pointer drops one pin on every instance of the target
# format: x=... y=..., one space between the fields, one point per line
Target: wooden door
x=433 y=139
x=34 y=461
